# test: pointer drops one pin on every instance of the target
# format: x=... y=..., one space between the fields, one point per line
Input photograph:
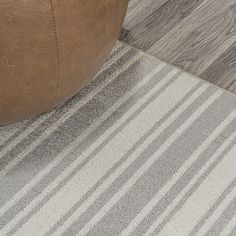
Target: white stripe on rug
x=150 y=162
x=75 y=143
x=217 y=213
x=65 y=117
x=204 y=197
x=176 y=177
x=228 y=230
x=181 y=195
x=102 y=188
x=30 y=128
x=87 y=177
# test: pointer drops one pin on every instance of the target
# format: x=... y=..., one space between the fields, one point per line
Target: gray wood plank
x=223 y=71
x=198 y=36
x=160 y=21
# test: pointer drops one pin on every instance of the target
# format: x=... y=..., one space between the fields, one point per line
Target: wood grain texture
x=198 y=36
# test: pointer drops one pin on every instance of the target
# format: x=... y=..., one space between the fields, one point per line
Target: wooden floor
x=198 y=36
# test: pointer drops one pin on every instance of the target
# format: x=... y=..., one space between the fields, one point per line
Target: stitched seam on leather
x=57 y=48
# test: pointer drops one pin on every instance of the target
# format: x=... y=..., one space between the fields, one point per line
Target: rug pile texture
x=144 y=149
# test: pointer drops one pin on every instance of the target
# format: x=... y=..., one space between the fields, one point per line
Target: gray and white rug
x=144 y=149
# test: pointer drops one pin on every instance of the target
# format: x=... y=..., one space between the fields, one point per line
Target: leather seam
x=57 y=49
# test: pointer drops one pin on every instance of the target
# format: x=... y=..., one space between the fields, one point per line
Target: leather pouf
x=50 y=49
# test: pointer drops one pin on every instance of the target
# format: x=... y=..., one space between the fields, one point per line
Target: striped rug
x=144 y=149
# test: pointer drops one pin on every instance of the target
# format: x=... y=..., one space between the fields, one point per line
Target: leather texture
x=50 y=49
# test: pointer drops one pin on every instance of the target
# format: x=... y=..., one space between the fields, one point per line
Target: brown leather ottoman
x=50 y=49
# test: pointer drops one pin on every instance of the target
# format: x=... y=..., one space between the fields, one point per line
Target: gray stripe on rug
x=129 y=155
